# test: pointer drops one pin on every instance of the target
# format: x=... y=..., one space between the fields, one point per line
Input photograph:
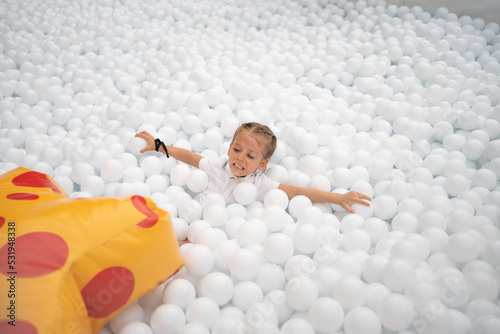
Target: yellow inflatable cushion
x=70 y=265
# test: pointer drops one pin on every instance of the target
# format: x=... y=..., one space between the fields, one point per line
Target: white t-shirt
x=222 y=181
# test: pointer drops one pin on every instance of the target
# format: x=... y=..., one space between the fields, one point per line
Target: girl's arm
x=316 y=196
x=180 y=154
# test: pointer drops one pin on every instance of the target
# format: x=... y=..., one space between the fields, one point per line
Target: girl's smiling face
x=245 y=155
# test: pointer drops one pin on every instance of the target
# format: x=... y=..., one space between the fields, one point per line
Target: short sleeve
x=264 y=183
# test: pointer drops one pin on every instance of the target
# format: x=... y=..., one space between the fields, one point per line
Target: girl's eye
x=250 y=157
x=236 y=150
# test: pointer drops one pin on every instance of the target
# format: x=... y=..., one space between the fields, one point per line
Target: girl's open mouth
x=239 y=167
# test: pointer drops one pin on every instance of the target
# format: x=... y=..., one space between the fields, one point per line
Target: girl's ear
x=263 y=164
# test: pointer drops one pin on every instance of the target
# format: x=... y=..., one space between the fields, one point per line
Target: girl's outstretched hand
x=150 y=141
x=353 y=197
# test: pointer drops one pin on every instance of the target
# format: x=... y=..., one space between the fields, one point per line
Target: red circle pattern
x=37 y=254
x=151 y=217
x=35 y=180
x=108 y=291
x=22 y=196
x=21 y=327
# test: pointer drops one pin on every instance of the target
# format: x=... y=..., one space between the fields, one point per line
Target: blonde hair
x=266 y=137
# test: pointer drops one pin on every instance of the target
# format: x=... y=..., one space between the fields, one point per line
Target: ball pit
x=388 y=100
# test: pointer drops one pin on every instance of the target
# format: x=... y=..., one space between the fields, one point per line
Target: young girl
x=252 y=146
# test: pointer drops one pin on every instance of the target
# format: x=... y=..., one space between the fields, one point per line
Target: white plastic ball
x=194 y=328
x=167 y=318
x=136 y=327
x=135 y=145
x=350 y=292
x=151 y=165
x=275 y=217
x=133 y=174
x=210 y=237
x=244 y=264
x=179 y=174
x=376 y=229
x=384 y=207
x=397 y=274
x=251 y=232
x=80 y=171
x=362 y=320
x=300 y=293
x=482 y=285
x=297 y=326
x=395 y=312
x=297 y=204
x=198 y=260
x=133 y=312
x=245 y=193
x=372 y=268
x=270 y=277
x=216 y=286
x=203 y=311
x=246 y=294
x=421 y=293
x=326 y=315
x=191 y=124
x=463 y=247
x=223 y=252
x=216 y=215
x=405 y=221
x=311 y=215
x=441 y=322
x=278 y=248
x=227 y=324
x=356 y=239
x=276 y=197
x=306 y=238
x=299 y=266
x=93 y=185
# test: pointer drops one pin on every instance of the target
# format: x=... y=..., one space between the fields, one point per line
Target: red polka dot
x=108 y=291
x=35 y=180
x=2 y=221
x=21 y=327
x=140 y=204
x=22 y=196
x=37 y=254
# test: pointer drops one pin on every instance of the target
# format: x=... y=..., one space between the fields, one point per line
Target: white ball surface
x=251 y=232
x=276 y=197
x=349 y=291
x=179 y=292
x=112 y=170
x=306 y=238
x=180 y=174
x=167 y=318
x=203 y=311
x=384 y=207
x=326 y=315
x=244 y=264
x=136 y=327
x=151 y=165
x=395 y=312
x=278 y=248
x=297 y=326
x=275 y=217
x=198 y=260
x=362 y=320
x=246 y=294
x=216 y=286
x=300 y=293
x=245 y=193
